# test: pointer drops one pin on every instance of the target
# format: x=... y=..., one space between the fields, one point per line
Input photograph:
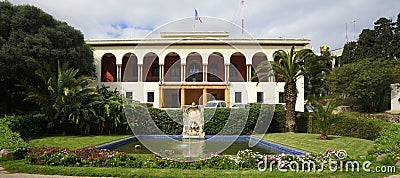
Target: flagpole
x=242 y=13
x=194 y=26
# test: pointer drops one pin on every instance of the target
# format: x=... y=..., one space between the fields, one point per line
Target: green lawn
x=75 y=142
x=311 y=143
x=22 y=166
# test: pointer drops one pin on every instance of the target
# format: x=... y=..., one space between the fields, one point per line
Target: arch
x=194 y=68
x=108 y=68
x=237 y=68
x=150 y=68
x=172 y=67
x=216 y=68
x=129 y=68
x=256 y=60
x=277 y=78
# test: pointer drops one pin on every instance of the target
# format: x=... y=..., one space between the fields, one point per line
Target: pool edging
x=279 y=147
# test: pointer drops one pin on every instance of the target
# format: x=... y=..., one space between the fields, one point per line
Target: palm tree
x=324 y=116
x=289 y=67
x=63 y=96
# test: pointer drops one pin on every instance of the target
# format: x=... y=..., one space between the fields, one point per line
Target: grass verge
x=311 y=143
x=23 y=166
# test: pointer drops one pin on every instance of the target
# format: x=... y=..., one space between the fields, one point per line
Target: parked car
x=308 y=108
x=240 y=105
x=215 y=104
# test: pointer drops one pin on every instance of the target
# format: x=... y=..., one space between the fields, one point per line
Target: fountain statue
x=193 y=122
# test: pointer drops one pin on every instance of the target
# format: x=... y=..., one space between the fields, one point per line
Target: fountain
x=193 y=122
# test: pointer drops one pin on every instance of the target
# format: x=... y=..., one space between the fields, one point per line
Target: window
x=233 y=71
x=238 y=97
x=281 y=97
x=129 y=94
x=175 y=71
x=154 y=70
x=193 y=68
x=150 y=97
x=214 y=69
x=260 y=97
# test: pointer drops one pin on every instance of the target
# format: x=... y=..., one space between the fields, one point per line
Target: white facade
x=191 y=74
x=395 y=98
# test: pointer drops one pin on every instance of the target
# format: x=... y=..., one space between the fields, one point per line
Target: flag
x=196 y=16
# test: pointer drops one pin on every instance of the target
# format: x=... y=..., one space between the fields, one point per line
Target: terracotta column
x=204 y=96
x=161 y=105
x=227 y=99
x=182 y=97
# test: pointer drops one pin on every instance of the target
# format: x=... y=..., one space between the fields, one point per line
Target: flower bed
x=103 y=158
x=87 y=156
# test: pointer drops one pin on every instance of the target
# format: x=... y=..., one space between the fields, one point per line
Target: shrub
x=12 y=140
x=353 y=126
x=389 y=142
x=278 y=121
x=27 y=126
x=215 y=120
x=167 y=120
x=302 y=122
x=324 y=117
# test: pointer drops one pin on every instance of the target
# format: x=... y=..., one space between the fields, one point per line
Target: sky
x=321 y=21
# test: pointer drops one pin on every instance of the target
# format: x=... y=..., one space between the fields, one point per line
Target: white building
x=181 y=67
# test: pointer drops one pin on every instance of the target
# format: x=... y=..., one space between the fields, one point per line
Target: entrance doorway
x=193 y=95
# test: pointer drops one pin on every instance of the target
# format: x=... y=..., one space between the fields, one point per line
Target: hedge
x=353 y=126
x=170 y=121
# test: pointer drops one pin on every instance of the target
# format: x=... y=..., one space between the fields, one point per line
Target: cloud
x=323 y=22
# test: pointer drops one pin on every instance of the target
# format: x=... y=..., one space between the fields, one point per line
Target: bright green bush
x=353 y=126
x=389 y=142
x=12 y=140
x=27 y=126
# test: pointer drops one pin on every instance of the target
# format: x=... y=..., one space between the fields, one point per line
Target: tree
x=380 y=42
x=64 y=97
x=324 y=117
x=111 y=111
x=370 y=66
x=315 y=70
x=29 y=38
x=288 y=68
x=365 y=82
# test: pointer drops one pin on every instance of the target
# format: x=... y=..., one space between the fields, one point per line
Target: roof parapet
x=195 y=34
